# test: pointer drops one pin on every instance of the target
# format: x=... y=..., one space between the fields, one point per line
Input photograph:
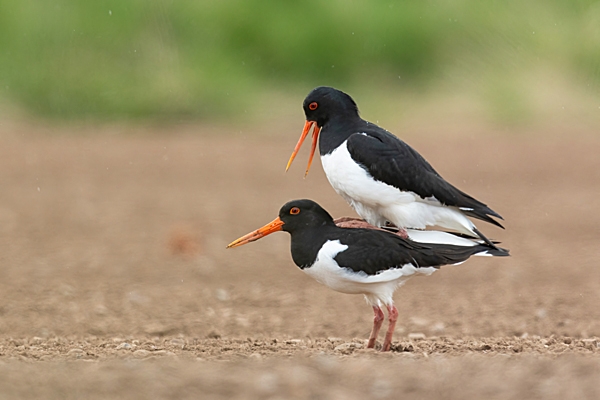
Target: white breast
x=366 y=195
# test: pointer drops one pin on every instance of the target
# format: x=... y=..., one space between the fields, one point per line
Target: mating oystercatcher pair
x=384 y=180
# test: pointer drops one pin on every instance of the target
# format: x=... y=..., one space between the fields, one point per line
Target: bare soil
x=116 y=282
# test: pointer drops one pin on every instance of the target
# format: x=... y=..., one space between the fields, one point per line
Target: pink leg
x=377 y=322
x=393 y=317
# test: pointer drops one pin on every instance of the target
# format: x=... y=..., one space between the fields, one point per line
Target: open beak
x=315 y=137
x=269 y=228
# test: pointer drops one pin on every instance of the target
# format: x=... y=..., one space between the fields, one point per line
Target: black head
x=301 y=214
x=326 y=102
x=294 y=216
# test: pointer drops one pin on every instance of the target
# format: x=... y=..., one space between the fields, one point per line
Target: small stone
x=405 y=348
x=75 y=353
x=124 y=346
x=178 y=342
x=141 y=353
x=214 y=335
x=348 y=348
x=518 y=348
x=222 y=295
x=438 y=327
x=416 y=336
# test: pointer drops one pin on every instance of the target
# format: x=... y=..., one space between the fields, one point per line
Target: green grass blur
x=163 y=59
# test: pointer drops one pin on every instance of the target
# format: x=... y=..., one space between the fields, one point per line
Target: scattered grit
x=415 y=346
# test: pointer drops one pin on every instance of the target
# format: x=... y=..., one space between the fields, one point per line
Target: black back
x=390 y=160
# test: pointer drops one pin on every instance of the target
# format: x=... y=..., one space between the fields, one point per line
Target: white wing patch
x=439 y=237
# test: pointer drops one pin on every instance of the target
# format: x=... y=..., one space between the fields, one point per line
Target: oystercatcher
x=372 y=262
x=380 y=176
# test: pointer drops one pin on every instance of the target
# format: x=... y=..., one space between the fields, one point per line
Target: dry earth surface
x=116 y=282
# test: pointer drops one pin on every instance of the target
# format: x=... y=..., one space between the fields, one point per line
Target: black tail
x=484 y=215
x=437 y=255
x=495 y=251
x=485 y=239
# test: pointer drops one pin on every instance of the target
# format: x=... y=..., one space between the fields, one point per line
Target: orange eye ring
x=313 y=106
x=295 y=210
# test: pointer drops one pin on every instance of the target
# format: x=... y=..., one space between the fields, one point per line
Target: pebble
x=141 y=353
x=348 y=348
x=75 y=353
x=214 y=335
x=417 y=336
x=222 y=295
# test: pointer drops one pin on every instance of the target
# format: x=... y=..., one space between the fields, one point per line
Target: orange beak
x=273 y=226
x=315 y=138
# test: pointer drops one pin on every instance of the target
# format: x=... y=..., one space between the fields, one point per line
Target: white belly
x=376 y=288
x=378 y=202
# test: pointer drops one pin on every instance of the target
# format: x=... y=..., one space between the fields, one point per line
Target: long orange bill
x=307 y=127
x=313 y=147
x=273 y=226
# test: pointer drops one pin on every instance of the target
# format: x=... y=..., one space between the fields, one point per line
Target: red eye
x=313 y=106
x=295 y=210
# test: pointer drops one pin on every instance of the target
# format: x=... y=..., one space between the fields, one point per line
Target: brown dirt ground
x=116 y=282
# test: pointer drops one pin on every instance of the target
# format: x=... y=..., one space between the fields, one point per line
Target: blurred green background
x=181 y=60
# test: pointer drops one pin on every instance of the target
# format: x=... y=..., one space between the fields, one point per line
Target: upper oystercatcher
x=373 y=262
x=380 y=176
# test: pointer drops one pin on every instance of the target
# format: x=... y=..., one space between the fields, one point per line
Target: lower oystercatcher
x=379 y=175
x=372 y=262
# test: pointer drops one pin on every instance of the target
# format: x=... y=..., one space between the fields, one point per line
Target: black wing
x=390 y=160
x=374 y=251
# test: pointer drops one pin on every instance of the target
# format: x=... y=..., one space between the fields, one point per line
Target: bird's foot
x=377 y=322
x=392 y=317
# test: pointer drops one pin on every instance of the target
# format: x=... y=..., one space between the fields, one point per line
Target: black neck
x=337 y=130
x=306 y=243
